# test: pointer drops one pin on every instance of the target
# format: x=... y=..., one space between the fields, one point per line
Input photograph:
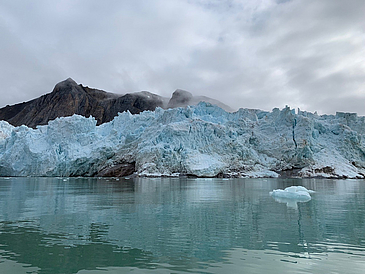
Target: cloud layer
x=256 y=54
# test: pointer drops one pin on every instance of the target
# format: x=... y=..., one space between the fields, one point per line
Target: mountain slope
x=68 y=98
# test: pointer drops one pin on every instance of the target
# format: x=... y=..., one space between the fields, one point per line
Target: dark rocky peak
x=67 y=84
x=180 y=98
x=68 y=88
x=68 y=81
x=68 y=98
x=183 y=98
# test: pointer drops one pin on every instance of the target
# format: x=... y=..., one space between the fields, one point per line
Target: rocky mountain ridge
x=69 y=98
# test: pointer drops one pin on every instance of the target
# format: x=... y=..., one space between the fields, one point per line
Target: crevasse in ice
x=202 y=140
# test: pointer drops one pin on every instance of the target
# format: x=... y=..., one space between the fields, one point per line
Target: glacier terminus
x=202 y=140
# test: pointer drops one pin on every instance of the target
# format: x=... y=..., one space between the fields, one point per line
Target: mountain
x=202 y=140
x=183 y=98
x=68 y=98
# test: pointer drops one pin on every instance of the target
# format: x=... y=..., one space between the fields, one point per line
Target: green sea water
x=182 y=225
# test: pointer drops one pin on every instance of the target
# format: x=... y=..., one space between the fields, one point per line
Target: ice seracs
x=202 y=140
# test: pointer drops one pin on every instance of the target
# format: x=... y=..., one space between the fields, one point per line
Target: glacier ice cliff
x=202 y=140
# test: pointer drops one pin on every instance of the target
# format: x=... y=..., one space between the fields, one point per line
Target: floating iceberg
x=299 y=193
x=292 y=195
x=202 y=140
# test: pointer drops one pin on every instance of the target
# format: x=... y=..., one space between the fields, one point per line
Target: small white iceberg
x=293 y=192
x=292 y=195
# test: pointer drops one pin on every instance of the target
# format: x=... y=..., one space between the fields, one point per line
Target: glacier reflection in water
x=89 y=225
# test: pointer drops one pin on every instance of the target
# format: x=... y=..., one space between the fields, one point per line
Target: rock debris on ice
x=202 y=140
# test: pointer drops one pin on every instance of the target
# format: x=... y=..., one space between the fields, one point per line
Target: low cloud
x=254 y=54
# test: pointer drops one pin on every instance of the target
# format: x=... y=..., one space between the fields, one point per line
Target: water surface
x=78 y=225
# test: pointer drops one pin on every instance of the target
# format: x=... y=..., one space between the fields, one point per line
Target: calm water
x=53 y=225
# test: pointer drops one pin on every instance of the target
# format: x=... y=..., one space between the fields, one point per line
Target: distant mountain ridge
x=68 y=98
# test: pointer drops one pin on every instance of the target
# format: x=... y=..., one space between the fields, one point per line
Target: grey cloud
x=255 y=54
x=319 y=50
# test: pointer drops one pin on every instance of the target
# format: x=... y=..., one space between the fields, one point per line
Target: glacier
x=202 y=140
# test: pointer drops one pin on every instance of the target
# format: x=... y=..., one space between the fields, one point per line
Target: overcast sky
x=245 y=53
